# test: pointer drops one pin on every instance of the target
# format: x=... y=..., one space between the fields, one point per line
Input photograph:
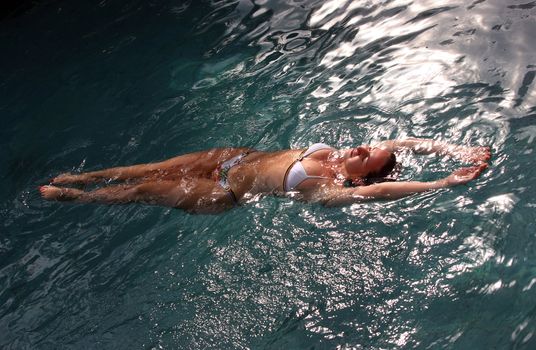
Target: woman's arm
x=335 y=196
x=475 y=155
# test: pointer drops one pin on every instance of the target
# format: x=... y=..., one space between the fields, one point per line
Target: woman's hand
x=464 y=175
x=476 y=155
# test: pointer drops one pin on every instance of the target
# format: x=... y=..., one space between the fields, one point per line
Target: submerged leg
x=118 y=173
x=107 y=195
x=199 y=162
x=196 y=195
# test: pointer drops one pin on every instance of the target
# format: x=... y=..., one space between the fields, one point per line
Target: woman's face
x=363 y=160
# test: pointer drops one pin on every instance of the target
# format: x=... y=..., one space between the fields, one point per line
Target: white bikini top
x=296 y=173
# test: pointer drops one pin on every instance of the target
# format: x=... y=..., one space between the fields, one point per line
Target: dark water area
x=90 y=85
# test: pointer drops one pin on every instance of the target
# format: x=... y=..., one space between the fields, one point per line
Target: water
x=90 y=85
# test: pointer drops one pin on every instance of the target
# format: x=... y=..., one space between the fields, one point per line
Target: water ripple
x=140 y=81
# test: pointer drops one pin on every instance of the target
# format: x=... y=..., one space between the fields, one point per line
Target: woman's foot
x=59 y=194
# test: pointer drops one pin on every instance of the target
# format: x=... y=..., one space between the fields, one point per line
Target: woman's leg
x=196 y=195
x=201 y=163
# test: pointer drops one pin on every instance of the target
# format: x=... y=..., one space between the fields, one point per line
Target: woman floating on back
x=218 y=179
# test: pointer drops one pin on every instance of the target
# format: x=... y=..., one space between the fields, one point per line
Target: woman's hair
x=386 y=169
x=377 y=176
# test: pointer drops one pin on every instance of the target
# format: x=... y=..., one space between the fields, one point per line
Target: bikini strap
x=301 y=156
x=232 y=195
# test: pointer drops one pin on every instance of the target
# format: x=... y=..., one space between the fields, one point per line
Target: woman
x=215 y=180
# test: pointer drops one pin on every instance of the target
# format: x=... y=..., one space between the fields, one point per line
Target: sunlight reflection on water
x=452 y=268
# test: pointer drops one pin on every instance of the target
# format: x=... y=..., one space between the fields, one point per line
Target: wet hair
x=381 y=175
x=386 y=169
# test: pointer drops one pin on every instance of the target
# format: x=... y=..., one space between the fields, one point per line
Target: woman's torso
x=264 y=172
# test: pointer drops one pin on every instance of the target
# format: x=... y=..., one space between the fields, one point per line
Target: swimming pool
x=95 y=85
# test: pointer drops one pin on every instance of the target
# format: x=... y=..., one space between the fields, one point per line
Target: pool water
x=90 y=85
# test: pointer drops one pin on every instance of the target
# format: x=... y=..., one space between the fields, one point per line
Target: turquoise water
x=98 y=84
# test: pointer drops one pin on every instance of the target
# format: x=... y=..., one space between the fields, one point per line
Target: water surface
x=90 y=85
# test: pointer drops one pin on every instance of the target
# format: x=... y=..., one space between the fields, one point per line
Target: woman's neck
x=336 y=170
